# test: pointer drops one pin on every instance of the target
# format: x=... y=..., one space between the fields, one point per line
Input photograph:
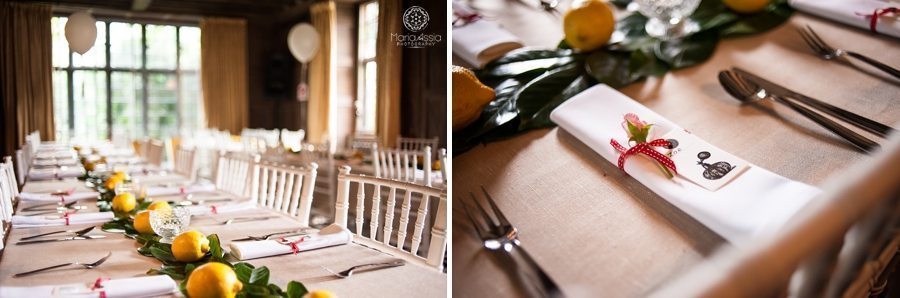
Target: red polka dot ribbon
x=66 y=217
x=462 y=19
x=878 y=13
x=645 y=149
x=98 y=284
x=294 y=248
x=213 y=210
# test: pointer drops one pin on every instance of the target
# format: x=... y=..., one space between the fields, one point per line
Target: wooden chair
x=405 y=192
x=283 y=188
x=186 y=162
x=155 y=150
x=416 y=144
x=233 y=172
x=402 y=165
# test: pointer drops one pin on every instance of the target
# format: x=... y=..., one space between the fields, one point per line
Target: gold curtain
x=322 y=74
x=388 y=59
x=25 y=85
x=223 y=71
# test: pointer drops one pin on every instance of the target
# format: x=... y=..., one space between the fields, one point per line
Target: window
x=366 y=85
x=139 y=80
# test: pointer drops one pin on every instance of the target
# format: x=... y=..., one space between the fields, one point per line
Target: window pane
x=61 y=104
x=96 y=56
x=191 y=109
x=60 y=45
x=190 y=48
x=125 y=45
x=90 y=105
x=127 y=104
x=161 y=47
x=370 y=29
x=162 y=105
x=369 y=97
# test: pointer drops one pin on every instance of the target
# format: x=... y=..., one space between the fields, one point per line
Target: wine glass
x=668 y=18
x=169 y=222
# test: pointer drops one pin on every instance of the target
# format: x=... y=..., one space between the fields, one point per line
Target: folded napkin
x=220 y=209
x=145 y=286
x=755 y=202
x=20 y=221
x=54 y=154
x=55 y=173
x=55 y=162
x=165 y=191
x=332 y=235
x=74 y=196
x=480 y=41
x=851 y=12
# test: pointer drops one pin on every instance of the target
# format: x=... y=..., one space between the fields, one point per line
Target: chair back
x=233 y=172
x=283 y=188
x=416 y=144
x=22 y=165
x=155 y=150
x=186 y=162
x=7 y=194
x=383 y=237
x=403 y=165
x=11 y=176
x=292 y=139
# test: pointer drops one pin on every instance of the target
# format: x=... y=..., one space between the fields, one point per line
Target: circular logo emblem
x=415 y=18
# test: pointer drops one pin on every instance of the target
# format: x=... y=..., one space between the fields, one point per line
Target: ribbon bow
x=294 y=248
x=645 y=149
x=213 y=210
x=463 y=19
x=98 y=284
x=66 y=217
x=877 y=13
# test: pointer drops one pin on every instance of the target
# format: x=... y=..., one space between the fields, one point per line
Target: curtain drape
x=388 y=59
x=223 y=72
x=322 y=75
x=25 y=67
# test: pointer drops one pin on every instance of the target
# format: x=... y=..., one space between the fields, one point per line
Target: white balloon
x=303 y=41
x=81 y=32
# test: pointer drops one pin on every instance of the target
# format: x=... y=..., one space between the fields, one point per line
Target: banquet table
x=594 y=229
x=411 y=280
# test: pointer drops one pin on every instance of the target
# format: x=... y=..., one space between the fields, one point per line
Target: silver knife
x=61 y=239
x=867 y=124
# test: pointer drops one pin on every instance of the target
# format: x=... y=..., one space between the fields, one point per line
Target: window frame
x=141 y=71
x=361 y=61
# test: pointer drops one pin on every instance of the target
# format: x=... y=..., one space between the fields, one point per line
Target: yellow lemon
x=190 y=246
x=436 y=165
x=124 y=202
x=213 y=279
x=142 y=223
x=588 y=24
x=112 y=181
x=121 y=174
x=746 y=6
x=320 y=294
x=469 y=97
x=159 y=205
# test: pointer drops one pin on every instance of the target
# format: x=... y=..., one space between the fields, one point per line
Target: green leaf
x=215 y=249
x=532 y=97
x=528 y=54
x=296 y=290
x=243 y=271
x=162 y=254
x=563 y=44
x=188 y=269
x=254 y=290
x=183 y=287
x=688 y=51
x=259 y=276
x=774 y=15
x=611 y=68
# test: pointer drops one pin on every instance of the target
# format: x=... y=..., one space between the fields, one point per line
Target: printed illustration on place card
x=703 y=163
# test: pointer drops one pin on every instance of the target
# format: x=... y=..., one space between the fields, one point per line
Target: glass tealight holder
x=169 y=222
x=669 y=18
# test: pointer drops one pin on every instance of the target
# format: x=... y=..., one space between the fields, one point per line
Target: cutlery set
x=93 y=265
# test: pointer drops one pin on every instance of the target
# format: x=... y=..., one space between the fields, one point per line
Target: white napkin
x=481 y=41
x=220 y=209
x=75 y=196
x=145 y=286
x=165 y=191
x=755 y=202
x=55 y=162
x=851 y=12
x=54 y=173
x=21 y=221
x=55 y=154
x=332 y=235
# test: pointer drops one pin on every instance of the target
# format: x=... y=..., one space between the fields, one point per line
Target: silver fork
x=86 y=266
x=269 y=236
x=81 y=232
x=373 y=266
x=502 y=238
x=818 y=45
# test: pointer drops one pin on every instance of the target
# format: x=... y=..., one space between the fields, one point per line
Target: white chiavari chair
x=6 y=194
x=155 y=150
x=292 y=139
x=11 y=176
x=186 y=162
x=22 y=165
x=233 y=171
x=383 y=237
x=283 y=188
x=416 y=144
x=442 y=158
x=403 y=165
x=364 y=144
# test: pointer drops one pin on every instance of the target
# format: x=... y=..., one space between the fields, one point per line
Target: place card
x=701 y=162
